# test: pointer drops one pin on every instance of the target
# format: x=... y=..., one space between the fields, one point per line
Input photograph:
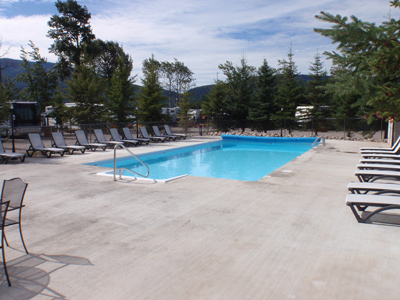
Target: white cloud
x=207 y=33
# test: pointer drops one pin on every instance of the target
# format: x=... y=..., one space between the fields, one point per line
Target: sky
x=200 y=33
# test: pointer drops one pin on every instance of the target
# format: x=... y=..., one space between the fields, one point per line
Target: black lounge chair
x=100 y=138
x=128 y=136
x=59 y=142
x=116 y=137
x=169 y=132
x=158 y=133
x=37 y=145
x=6 y=156
x=82 y=140
x=146 y=135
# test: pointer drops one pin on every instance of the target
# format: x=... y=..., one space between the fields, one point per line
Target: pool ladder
x=126 y=169
x=321 y=138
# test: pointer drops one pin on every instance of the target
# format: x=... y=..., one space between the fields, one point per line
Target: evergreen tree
x=289 y=92
x=240 y=88
x=120 y=103
x=72 y=35
x=40 y=82
x=151 y=99
x=262 y=104
x=8 y=92
x=214 y=105
x=316 y=92
x=371 y=55
x=86 y=89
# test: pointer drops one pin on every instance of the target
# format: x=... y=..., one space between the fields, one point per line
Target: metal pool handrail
x=115 y=163
x=319 y=138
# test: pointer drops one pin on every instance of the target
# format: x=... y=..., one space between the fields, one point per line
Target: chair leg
x=4 y=261
x=22 y=238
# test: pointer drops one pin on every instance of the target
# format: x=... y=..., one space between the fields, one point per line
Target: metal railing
x=318 y=139
x=126 y=169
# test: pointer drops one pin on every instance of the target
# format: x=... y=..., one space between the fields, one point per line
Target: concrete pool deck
x=287 y=236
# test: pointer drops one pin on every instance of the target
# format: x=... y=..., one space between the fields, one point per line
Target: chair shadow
x=386 y=219
x=30 y=275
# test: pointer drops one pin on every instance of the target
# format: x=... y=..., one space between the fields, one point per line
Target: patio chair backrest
x=144 y=132
x=167 y=129
x=127 y=133
x=115 y=135
x=58 y=139
x=2 y=150
x=36 y=140
x=81 y=137
x=14 y=191
x=100 y=136
x=156 y=130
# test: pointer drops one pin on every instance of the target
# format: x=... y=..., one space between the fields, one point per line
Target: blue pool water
x=244 y=158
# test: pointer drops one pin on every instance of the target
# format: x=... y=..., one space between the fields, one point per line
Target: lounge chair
x=82 y=140
x=360 y=202
x=373 y=188
x=382 y=148
x=373 y=175
x=381 y=155
x=100 y=138
x=389 y=167
x=37 y=145
x=158 y=133
x=169 y=132
x=396 y=150
x=59 y=142
x=128 y=136
x=116 y=137
x=380 y=161
x=5 y=156
x=146 y=135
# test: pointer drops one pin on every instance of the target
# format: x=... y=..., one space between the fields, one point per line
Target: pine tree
x=151 y=98
x=214 y=105
x=370 y=53
x=289 y=92
x=262 y=104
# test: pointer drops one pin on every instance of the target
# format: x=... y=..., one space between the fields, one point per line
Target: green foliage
x=151 y=100
x=214 y=105
x=8 y=92
x=240 y=88
x=72 y=35
x=40 y=82
x=289 y=91
x=86 y=89
x=262 y=104
x=120 y=104
x=370 y=56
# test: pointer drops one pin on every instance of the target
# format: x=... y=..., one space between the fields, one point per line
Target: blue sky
x=200 y=33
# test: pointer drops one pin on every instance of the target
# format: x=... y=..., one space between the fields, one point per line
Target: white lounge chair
x=373 y=175
x=128 y=136
x=6 y=156
x=373 y=188
x=116 y=137
x=360 y=202
x=59 y=142
x=169 y=132
x=388 y=167
x=146 y=135
x=100 y=138
x=380 y=161
x=382 y=148
x=37 y=145
x=82 y=140
x=396 y=150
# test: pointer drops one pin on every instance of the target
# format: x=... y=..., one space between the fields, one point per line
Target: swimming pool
x=233 y=157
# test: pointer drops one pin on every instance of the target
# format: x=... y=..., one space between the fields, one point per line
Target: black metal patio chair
x=14 y=191
x=3 y=214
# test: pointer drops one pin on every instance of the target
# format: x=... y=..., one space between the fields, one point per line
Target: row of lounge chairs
x=59 y=145
x=378 y=173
